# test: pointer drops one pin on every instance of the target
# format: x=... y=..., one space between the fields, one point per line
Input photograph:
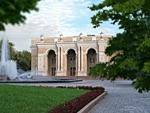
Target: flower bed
x=78 y=103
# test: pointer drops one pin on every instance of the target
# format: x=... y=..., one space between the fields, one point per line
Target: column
x=97 y=59
x=65 y=64
x=58 y=60
x=45 y=64
x=62 y=60
x=83 y=71
x=97 y=52
x=80 y=70
x=56 y=52
x=76 y=45
x=79 y=59
x=82 y=59
x=76 y=64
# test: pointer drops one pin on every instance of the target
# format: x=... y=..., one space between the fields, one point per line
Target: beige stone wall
x=41 y=47
x=34 y=58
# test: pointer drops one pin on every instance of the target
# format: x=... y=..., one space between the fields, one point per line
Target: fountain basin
x=42 y=81
x=8 y=69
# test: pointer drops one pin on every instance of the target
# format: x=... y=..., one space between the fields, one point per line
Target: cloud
x=69 y=17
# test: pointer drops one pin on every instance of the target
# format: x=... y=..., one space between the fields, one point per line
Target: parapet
x=87 y=38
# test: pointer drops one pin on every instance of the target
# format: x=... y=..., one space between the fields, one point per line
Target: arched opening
x=91 y=59
x=52 y=63
x=71 y=63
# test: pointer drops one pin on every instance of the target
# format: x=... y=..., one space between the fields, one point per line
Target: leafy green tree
x=23 y=59
x=12 y=11
x=130 y=50
x=98 y=69
x=12 y=51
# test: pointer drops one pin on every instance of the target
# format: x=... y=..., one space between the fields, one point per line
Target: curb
x=91 y=104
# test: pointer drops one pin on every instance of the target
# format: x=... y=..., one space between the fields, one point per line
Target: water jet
x=8 y=68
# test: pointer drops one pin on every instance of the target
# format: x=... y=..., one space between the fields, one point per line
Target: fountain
x=8 y=68
x=9 y=74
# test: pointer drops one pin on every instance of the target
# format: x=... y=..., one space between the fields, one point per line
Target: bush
x=78 y=103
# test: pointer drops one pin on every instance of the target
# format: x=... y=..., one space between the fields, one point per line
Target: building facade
x=68 y=56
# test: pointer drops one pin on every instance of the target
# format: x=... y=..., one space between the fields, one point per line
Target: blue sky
x=55 y=17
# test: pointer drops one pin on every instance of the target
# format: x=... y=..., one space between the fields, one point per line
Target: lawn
x=29 y=99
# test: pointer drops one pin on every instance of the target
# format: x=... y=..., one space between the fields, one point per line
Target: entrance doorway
x=52 y=63
x=91 y=59
x=71 y=63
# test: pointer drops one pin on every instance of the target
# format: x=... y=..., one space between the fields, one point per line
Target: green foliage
x=28 y=99
x=146 y=67
x=130 y=50
x=12 y=11
x=98 y=70
x=11 y=51
x=23 y=58
x=142 y=83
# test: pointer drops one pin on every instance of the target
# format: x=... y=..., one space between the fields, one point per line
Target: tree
x=12 y=51
x=130 y=50
x=23 y=59
x=12 y=11
x=98 y=69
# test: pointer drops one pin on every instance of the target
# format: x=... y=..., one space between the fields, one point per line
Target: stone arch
x=91 y=59
x=48 y=50
x=51 y=62
x=71 y=62
x=89 y=49
x=66 y=52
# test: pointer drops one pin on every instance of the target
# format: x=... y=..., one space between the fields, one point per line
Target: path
x=122 y=98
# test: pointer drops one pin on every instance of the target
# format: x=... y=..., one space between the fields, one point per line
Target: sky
x=55 y=17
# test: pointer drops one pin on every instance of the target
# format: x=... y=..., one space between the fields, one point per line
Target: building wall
x=61 y=45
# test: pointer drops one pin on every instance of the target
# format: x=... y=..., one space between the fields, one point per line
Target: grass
x=29 y=99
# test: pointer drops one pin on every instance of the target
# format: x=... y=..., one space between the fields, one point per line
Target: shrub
x=78 y=103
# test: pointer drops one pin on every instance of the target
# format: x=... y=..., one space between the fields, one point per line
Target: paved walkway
x=122 y=98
